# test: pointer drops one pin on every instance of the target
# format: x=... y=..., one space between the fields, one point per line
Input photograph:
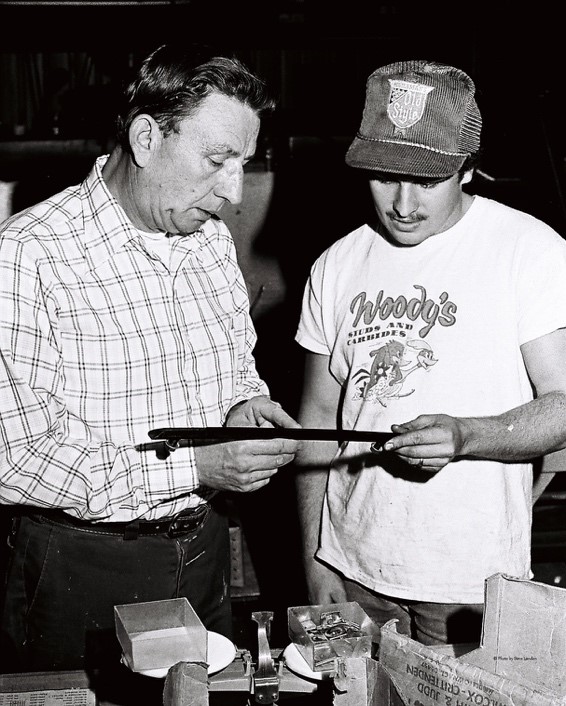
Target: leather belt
x=182 y=523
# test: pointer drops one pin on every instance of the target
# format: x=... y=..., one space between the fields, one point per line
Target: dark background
x=62 y=65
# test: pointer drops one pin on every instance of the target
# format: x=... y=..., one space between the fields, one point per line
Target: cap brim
x=402 y=159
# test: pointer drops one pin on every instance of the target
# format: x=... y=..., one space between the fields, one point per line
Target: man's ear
x=145 y=136
x=467 y=177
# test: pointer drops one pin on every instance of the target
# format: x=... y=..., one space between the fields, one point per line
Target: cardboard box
x=71 y=688
x=158 y=634
x=353 y=633
x=521 y=659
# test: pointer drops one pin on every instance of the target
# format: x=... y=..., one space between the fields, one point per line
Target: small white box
x=158 y=634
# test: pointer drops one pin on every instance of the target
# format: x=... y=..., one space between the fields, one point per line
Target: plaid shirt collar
x=107 y=228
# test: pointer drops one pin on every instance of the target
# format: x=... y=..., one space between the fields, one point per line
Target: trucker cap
x=420 y=119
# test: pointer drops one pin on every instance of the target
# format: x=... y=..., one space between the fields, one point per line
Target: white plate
x=221 y=651
x=298 y=664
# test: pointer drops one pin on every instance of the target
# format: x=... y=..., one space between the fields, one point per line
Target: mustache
x=417 y=218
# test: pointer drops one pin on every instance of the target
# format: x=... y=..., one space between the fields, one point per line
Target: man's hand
x=260 y=411
x=245 y=466
x=429 y=442
x=323 y=584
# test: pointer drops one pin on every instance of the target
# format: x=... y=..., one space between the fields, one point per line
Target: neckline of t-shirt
x=153 y=235
x=459 y=228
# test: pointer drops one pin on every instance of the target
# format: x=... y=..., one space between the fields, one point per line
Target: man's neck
x=119 y=174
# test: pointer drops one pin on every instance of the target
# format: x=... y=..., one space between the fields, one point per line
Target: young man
x=123 y=309
x=436 y=322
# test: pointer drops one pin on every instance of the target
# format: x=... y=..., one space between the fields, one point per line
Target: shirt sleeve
x=542 y=285
x=310 y=331
x=248 y=382
x=41 y=465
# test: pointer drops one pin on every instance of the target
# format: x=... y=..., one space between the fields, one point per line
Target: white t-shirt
x=435 y=328
x=159 y=244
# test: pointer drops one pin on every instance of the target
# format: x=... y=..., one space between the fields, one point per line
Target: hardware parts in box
x=323 y=634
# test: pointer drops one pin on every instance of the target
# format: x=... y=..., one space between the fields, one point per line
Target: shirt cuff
x=171 y=477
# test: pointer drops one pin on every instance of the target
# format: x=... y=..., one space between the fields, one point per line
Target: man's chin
x=407 y=234
x=190 y=228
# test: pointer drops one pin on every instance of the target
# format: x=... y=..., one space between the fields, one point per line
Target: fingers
x=278 y=417
x=426 y=456
x=273 y=447
x=428 y=442
x=426 y=449
x=409 y=437
x=260 y=411
x=265 y=467
x=263 y=462
x=255 y=484
x=431 y=465
x=423 y=421
x=247 y=481
x=255 y=462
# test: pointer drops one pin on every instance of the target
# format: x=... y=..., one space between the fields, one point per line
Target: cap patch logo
x=406 y=102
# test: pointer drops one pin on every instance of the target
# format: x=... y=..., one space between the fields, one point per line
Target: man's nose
x=230 y=187
x=405 y=201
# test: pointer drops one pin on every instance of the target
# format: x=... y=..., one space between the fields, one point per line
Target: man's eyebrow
x=221 y=148
x=229 y=151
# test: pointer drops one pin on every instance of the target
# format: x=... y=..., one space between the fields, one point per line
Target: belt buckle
x=183 y=525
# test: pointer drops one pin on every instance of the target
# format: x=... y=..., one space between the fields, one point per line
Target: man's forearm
x=311 y=486
x=431 y=441
x=313 y=463
x=525 y=432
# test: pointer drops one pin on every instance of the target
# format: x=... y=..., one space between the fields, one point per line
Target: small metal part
x=335 y=631
x=265 y=677
x=168 y=446
x=332 y=626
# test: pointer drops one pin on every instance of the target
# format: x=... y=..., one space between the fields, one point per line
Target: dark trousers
x=429 y=623
x=64 y=582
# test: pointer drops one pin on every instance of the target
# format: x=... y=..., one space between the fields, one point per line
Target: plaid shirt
x=101 y=342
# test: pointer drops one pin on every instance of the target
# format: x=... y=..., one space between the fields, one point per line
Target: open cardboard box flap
x=524 y=632
x=521 y=660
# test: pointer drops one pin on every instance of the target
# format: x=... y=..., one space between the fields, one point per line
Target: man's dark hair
x=471 y=162
x=172 y=82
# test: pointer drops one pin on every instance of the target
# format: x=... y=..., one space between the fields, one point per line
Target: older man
x=123 y=309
